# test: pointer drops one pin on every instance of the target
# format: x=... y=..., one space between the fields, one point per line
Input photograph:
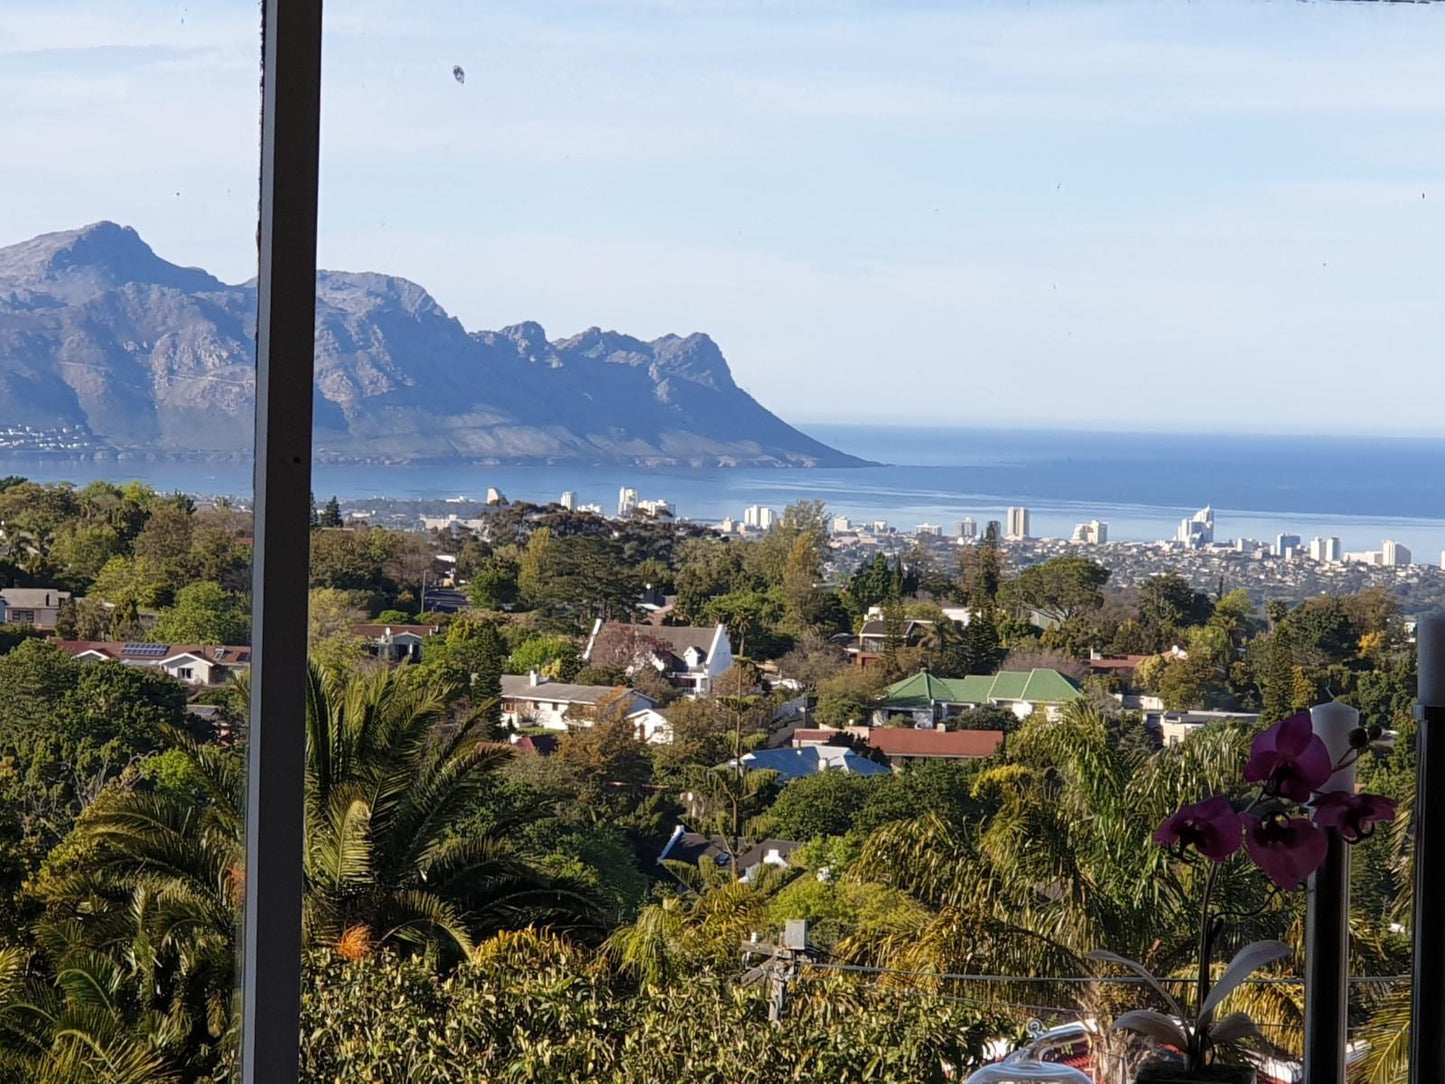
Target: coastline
x=1360 y=489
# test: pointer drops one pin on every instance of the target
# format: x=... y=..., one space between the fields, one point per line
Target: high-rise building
x=1093 y=533
x=626 y=501
x=758 y=516
x=931 y=529
x=1018 y=523
x=1393 y=554
x=1198 y=529
x=495 y=496
x=842 y=525
x=656 y=508
x=569 y=501
x=1326 y=550
x=967 y=528
x=1286 y=545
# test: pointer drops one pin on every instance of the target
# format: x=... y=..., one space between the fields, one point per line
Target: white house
x=652 y=725
x=689 y=657
x=192 y=664
x=395 y=642
x=532 y=700
x=38 y=606
x=1175 y=726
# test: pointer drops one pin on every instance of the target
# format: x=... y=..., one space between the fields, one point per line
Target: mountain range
x=101 y=337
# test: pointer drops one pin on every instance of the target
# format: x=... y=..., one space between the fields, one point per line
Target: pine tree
x=489 y=654
x=67 y=625
x=1279 y=684
x=331 y=514
x=979 y=645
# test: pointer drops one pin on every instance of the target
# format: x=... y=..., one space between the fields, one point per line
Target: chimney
x=533 y=678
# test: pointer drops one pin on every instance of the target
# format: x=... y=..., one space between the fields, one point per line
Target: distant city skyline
x=1220 y=216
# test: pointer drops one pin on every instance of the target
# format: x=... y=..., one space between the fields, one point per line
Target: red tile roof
x=225 y=654
x=904 y=742
x=1127 y=662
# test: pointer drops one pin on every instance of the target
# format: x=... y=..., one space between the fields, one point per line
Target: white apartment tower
x=968 y=528
x=758 y=516
x=1093 y=533
x=569 y=501
x=1393 y=554
x=626 y=501
x=1198 y=529
x=1018 y=524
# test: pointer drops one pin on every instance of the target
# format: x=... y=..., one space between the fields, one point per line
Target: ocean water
x=1362 y=490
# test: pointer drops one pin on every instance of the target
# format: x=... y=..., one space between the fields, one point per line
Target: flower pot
x=1162 y=1072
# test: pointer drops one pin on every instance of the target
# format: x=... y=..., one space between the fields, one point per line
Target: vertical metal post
x=285 y=344
x=1427 y=1016
x=1327 y=921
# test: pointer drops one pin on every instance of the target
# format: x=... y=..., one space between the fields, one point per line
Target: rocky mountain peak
x=75 y=265
x=99 y=334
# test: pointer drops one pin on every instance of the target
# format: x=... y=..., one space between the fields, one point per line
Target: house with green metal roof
x=930 y=699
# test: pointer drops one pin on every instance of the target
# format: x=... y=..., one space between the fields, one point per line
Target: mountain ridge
x=101 y=337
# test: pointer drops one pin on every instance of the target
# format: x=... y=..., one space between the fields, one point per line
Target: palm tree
x=1065 y=865
x=81 y=1028
x=388 y=782
x=152 y=881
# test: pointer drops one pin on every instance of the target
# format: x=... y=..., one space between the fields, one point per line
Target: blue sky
x=1119 y=215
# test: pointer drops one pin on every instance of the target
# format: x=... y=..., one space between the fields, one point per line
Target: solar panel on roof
x=146 y=651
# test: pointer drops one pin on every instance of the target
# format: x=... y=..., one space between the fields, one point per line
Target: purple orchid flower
x=1290 y=758
x=1211 y=827
x=1288 y=849
x=1352 y=814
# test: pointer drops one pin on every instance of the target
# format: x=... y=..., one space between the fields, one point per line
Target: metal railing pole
x=1427 y=1016
x=1327 y=920
x=285 y=345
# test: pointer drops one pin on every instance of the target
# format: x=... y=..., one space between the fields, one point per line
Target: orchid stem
x=1206 y=950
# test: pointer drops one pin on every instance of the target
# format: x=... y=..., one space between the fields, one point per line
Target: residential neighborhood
x=667 y=712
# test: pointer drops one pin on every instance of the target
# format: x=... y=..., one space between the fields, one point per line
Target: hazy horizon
x=1194 y=218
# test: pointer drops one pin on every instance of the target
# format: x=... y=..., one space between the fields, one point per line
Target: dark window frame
x=285 y=343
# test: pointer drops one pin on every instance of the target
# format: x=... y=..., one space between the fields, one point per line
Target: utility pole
x=779 y=966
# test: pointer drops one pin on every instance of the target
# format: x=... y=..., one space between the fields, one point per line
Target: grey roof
x=30 y=597
x=520 y=687
x=693 y=847
x=681 y=637
x=754 y=855
x=811 y=759
x=879 y=627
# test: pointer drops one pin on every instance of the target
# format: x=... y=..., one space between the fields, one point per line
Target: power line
x=1118 y=980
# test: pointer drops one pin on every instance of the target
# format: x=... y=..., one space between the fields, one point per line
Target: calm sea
x=1360 y=489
